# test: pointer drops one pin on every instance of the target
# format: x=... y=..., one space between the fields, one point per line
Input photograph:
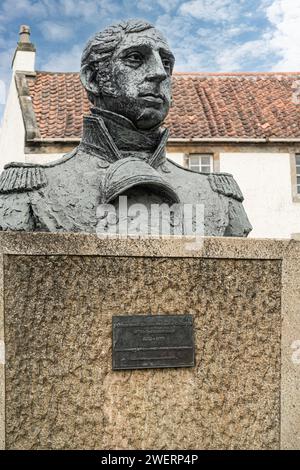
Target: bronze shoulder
x=17 y=177
x=224 y=183
x=22 y=177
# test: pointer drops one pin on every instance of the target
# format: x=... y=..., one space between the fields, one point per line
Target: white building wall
x=12 y=136
x=176 y=157
x=50 y=157
x=24 y=61
x=41 y=158
x=265 y=180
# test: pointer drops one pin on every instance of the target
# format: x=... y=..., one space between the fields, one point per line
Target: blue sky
x=206 y=35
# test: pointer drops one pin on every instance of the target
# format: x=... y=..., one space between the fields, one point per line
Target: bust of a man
x=126 y=70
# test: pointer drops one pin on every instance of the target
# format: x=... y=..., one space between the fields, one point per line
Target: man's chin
x=150 y=119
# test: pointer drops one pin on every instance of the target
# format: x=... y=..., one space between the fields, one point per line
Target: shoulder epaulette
x=224 y=183
x=18 y=177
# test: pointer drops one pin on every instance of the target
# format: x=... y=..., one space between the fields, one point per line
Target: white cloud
x=193 y=62
x=212 y=10
x=68 y=61
x=236 y=30
x=88 y=10
x=177 y=29
x=237 y=57
x=204 y=34
x=73 y=8
x=2 y=92
x=56 y=32
x=5 y=72
x=219 y=48
x=168 y=5
x=143 y=5
x=33 y=9
x=211 y=49
x=284 y=15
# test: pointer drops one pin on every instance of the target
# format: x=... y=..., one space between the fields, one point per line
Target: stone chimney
x=24 y=58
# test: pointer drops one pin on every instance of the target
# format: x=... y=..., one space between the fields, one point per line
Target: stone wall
x=60 y=292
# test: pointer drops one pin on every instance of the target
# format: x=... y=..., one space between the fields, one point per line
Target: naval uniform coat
x=113 y=158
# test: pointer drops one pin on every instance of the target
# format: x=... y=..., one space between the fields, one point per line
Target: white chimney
x=13 y=133
x=24 y=58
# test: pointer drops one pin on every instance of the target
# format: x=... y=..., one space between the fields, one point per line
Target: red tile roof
x=237 y=105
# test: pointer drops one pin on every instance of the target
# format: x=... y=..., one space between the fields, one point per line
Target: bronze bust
x=126 y=70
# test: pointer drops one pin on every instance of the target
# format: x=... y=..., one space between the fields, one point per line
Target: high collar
x=113 y=137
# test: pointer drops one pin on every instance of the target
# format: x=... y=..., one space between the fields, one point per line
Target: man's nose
x=156 y=70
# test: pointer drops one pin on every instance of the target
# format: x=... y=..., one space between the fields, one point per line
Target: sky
x=205 y=35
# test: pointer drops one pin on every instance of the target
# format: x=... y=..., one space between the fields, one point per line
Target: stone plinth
x=58 y=295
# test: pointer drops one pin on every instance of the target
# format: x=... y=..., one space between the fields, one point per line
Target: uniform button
x=102 y=164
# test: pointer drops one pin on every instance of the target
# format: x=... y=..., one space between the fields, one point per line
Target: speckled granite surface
x=62 y=393
x=58 y=293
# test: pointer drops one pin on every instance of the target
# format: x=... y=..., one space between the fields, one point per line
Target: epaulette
x=224 y=183
x=18 y=177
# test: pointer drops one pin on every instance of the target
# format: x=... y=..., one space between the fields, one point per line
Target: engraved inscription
x=153 y=341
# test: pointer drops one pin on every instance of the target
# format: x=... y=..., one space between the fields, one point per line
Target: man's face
x=141 y=79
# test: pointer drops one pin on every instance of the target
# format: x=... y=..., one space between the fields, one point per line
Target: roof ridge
x=203 y=74
x=45 y=72
x=237 y=74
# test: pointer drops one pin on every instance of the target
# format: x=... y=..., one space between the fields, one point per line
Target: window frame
x=201 y=165
x=297 y=165
x=295 y=172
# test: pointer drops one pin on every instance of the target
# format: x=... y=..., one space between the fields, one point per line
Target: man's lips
x=152 y=97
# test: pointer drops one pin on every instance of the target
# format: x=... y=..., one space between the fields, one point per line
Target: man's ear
x=88 y=79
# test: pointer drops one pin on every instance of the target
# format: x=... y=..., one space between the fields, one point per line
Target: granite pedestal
x=58 y=390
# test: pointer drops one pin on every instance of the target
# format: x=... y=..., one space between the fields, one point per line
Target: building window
x=298 y=172
x=201 y=162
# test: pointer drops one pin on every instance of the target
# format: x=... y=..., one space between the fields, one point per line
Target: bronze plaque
x=152 y=341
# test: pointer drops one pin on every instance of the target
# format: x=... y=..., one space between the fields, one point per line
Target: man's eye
x=166 y=64
x=134 y=57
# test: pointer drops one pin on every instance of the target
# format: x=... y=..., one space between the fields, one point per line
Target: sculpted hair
x=96 y=56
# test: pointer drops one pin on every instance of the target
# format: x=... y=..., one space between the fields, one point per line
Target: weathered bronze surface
x=153 y=341
x=126 y=70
